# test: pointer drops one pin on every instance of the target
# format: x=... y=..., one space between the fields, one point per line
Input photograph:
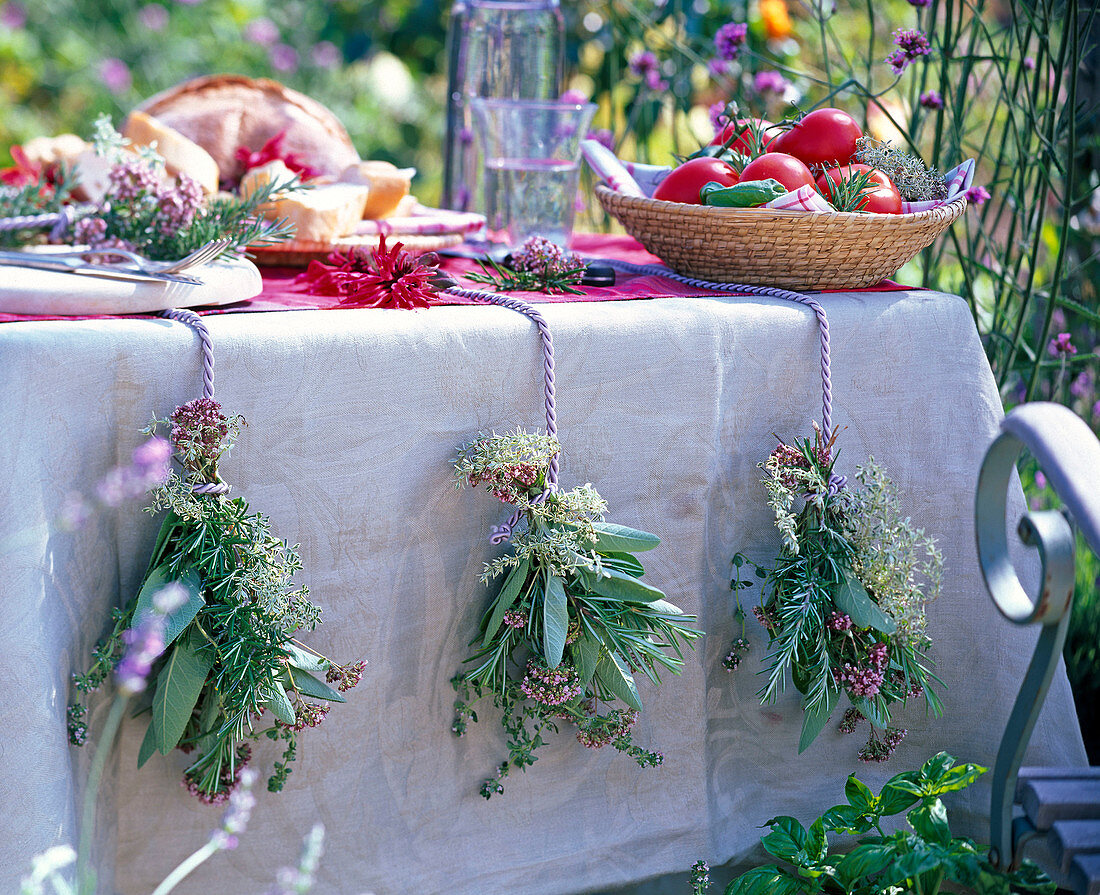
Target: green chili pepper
x=742 y=195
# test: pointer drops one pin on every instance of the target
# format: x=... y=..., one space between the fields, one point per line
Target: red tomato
x=745 y=144
x=883 y=199
x=788 y=170
x=683 y=183
x=824 y=137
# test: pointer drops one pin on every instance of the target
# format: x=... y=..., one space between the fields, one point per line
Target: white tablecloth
x=666 y=406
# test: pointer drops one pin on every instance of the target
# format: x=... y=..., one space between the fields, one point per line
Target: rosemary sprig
x=850 y=194
x=510 y=279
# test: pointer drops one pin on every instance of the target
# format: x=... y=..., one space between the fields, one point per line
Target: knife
x=56 y=265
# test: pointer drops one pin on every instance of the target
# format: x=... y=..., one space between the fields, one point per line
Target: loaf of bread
x=225 y=112
x=320 y=214
x=181 y=155
x=389 y=185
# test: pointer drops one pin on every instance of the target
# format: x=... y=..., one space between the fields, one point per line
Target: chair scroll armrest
x=1069 y=454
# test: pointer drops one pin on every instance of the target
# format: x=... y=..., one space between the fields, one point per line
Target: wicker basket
x=769 y=247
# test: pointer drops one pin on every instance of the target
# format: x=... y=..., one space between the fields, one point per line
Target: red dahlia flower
x=375 y=278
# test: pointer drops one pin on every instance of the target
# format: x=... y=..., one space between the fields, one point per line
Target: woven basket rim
x=732 y=214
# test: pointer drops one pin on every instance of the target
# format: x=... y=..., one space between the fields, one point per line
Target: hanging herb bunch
x=844 y=604
x=572 y=621
x=231 y=652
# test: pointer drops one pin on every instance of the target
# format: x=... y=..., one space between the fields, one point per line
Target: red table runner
x=280 y=293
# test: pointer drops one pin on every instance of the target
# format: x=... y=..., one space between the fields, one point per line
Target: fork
x=204 y=253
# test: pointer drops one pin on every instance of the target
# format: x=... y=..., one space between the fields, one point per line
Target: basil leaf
x=513 y=584
x=555 y=620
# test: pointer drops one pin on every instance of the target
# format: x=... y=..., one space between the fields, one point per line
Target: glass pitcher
x=500 y=49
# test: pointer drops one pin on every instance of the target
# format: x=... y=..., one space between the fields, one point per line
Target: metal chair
x=1060 y=804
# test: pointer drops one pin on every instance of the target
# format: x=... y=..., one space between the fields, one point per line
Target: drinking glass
x=507 y=49
x=531 y=154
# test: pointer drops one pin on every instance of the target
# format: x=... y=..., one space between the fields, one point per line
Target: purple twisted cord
x=59 y=222
x=660 y=270
x=501 y=533
x=193 y=320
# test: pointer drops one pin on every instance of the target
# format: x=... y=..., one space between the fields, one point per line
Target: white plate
x=26 y=291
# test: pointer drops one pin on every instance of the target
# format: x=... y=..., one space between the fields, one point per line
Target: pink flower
x=931 y=100
x=325 y=54
x=642 y=63
x=574 y=96
x=115 y=75
x=153 y=16
x=283 y=58
x=770 y=82
x=380 y=278
x=603 y=136
x=977 y=195
x=13 y=16
x=1062 y=345
x=1029 y=63
x=261 y=31
x=729 y=39
x=911 y=45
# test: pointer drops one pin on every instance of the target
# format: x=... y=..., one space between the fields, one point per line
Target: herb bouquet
x=572 y=622
x=844 y=603
x=229 y=649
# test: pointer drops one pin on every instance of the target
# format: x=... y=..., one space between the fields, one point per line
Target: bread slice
x=62 y=149
x=389 y=185
x=224 y=112
x=321 y=214
x=181 y=155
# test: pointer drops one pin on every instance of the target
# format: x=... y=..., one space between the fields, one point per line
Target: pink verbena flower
x=911 y=45
x=1061 y=345
x=770 y=82
x=977 y=195
x=729 y=40
x=931 y=100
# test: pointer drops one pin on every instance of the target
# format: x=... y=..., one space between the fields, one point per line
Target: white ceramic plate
x=26 y=291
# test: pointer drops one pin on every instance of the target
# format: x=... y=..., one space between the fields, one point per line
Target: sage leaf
x=612 y=672
x=815 y=718
x=624 y=587
x=179 y=618
x=513 y=584
x=304 y=659
x=586 y=656
x=279 y=704
x=664 y=607
x=149 y=744
x=306 y=684
x=555 y=620
x=620 y=539
x=852 y=599
x=623 y=562
x=178 y=687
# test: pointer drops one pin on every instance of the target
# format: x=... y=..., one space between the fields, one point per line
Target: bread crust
x=224 y=112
